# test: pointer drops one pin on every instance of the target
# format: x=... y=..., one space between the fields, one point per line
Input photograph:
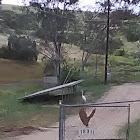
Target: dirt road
x=129 y=91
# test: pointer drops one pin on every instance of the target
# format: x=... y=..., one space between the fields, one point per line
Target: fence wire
x=89 y=122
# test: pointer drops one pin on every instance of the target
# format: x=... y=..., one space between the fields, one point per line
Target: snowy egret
x=83 y=97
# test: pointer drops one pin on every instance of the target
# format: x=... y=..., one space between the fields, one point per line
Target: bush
x=136 y=55
x=19 y=48
x=4 y=52
x=69 y=73
x=120 y=52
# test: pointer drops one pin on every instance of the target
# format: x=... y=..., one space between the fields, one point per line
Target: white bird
x=83 y=97
x=60 y=102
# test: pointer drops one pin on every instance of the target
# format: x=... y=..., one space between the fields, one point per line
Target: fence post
x=128 y=129
x=61 y=114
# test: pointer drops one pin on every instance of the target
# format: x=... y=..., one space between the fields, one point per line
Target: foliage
x=132 y=31
x=19 y=48
x=114 y=43
x=9 y=18
x=125 y=4
x=18 y=22
x=94 y=85
x=69 y=73
x=4 y=52
x=137 y=54
x=120 y=60
x=120 y=52
x=53 y=27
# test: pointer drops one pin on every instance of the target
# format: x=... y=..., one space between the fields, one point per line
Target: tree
x=132 y=30
x=92 y=31
x=53 y=28
x=9 y=18
x=20 y=48
x=15 y=21
x=107 y=5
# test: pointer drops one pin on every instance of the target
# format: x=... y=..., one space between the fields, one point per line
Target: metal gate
x=94 y=122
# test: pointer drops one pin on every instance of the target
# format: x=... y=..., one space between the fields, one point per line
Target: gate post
x=128 y=129
x=61 y=116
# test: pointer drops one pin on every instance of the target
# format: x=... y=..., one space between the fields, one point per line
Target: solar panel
x=42 y=92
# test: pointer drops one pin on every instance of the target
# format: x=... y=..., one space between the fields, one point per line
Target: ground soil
x=108 y=121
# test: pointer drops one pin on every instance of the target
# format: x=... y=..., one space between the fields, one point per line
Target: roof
x=42 y=92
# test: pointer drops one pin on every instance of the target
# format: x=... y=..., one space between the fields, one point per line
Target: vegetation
x=56 y=29
x=19 y=48
x=69 y=73
x=15 y=113
x=12 y=71
x=134 y=132
x=94 y=87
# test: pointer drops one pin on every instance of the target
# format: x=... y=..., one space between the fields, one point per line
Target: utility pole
x=107 y=42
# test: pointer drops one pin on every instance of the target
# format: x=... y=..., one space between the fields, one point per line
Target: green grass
x=135 y=131
x=121 y=61
x=94 y=88
x=19 y=114
x=129 y=46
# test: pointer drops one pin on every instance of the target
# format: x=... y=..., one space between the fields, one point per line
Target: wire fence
x=92 y=122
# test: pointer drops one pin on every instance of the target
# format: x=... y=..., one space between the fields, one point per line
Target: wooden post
x=107 y=42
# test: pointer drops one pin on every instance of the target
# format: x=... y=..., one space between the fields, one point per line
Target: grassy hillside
x=11 y=7
x=16 y=71
x=129 y=46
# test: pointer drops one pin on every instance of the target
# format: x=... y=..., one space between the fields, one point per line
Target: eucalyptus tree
x=93 y=36
x=54 y=20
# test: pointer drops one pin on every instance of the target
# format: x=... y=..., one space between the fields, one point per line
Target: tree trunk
x=96 y=67
x=83 y=69
x=59 y=60
x=139 y=43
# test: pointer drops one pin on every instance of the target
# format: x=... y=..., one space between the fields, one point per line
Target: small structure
x=72 y=85
x=50 y=80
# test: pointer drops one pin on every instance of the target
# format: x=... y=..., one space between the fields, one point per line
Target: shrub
x=69 y=73
x=19 y=48
x=120 y=52
x=4 y=52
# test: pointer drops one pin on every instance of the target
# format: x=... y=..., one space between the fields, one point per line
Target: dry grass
x=73 y=52
x=16 y=71
x=11 y=7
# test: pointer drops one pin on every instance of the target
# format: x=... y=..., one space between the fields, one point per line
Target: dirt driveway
x=129 y=91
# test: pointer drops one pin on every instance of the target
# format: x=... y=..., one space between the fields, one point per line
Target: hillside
x=117 y=63
x=10 y=7
x=15 y=71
